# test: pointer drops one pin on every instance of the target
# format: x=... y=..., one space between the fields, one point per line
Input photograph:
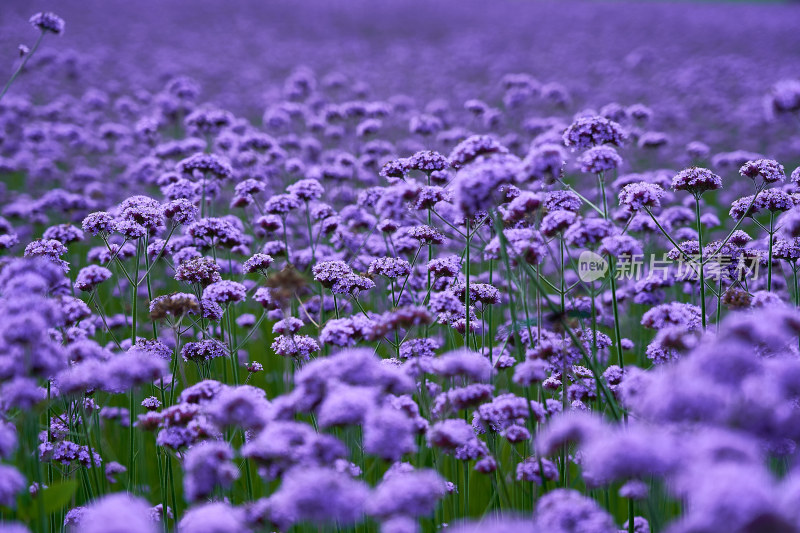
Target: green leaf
x=58 y=495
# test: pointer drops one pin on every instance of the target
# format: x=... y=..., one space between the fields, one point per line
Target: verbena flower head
x=306 y=190
x=413 y=493
x=599 y=159
x=203 y=271
x=225 y=292
x=319 y=496
x=258 y=263
x=203 y=351
x=206 y=466
x=593 y=131
x=769 y=170
x=476 y=187
x=696 y=180
x=390 y=267
x=427 y=161
x=48 y=22
x=568 y=511
x=117 y=512
x=642 y=194
x=474 y=147
x=90 y=277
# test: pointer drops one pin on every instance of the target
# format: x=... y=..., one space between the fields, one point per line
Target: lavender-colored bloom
x=587 y=232
x=474 y=147
x=468 y=364
x=258 y=263
x=412 y=494
x=475 y=187
x=390 y=267
x=48 y=22
x=568 y=511
x=426 y=235
x=620 y=246
x=117 y=512
x=180 y=210
x=562 y=201
x=296 y=346
x=11 y=483
x=593 y=131
x=307 y=189
x=572 y=427
x=320 y=496
x=225 y=292
x=90 y=277
x=427 y=161
x=206 y=466
x=775 y=201
x=203 y=351
x=216 y=517
x=389 y=433
x=696 y=180
x=450 y=434
x=599 y=159
x=203 y=271
x=768 y=169
x=97 y=223
x=205 y=165
x=556 y=222
x=538 y=470
x=642 y=194
x=51 y=250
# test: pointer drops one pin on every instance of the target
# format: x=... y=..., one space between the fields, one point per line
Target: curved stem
x=22 y=64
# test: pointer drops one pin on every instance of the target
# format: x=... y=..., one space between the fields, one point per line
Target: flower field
x=399 y=267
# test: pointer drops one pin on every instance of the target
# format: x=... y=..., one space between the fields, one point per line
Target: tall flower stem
x=702 y=265
x=769 y=260
x=466 y=287
x=612 y=280
x=22 y=64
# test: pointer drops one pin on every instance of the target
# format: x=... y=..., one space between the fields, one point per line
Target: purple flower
x=206 y=466
x=413 y=494
x=768 y=169
x=599 y=159
x=320 y=496
x=181 y=210
x=389 y=433
x=117 y=512
x=427 y=161
x=538 y=470
x=642 y=194
x=562 y=201
x=307 y=189
x=203 y=271
x=258 y=263
x=213 y=517
x=90 y=277
x=48 y=22
x=474 y=147
x=390 y=267
x=696 y=180
x=297 y=346
x=476 y=186
x=568 y=511
x=203 y=351
x=11 y=484
x=466 y=363
x=225 y=292
x=593 y=131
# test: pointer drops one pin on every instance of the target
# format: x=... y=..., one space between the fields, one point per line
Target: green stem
x=702 y=265
x=22 y=64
